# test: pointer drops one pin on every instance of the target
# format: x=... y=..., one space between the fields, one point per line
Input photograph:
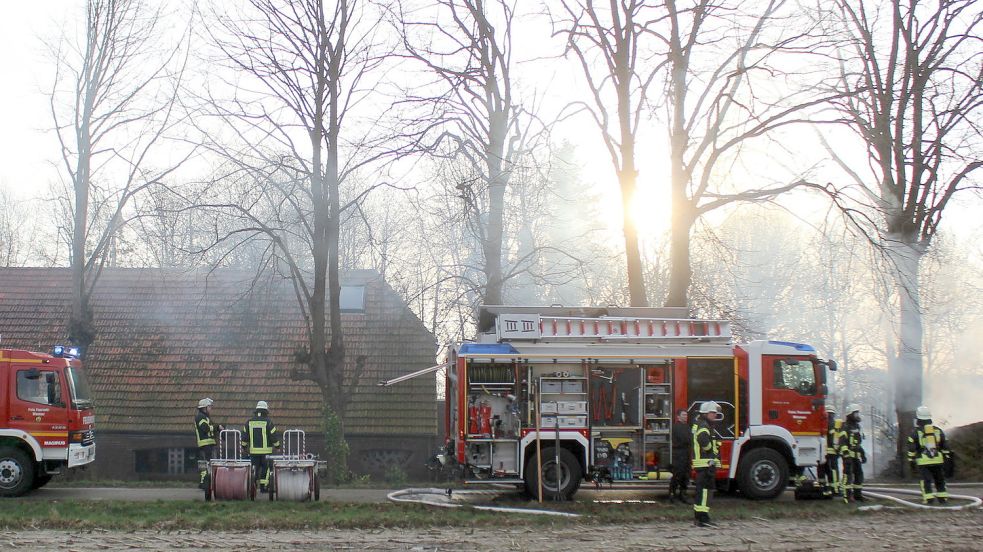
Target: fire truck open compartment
x=564 y=399
x=623 y=414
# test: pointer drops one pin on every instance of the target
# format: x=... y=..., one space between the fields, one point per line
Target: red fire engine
x=47 y=418
x=591 y=394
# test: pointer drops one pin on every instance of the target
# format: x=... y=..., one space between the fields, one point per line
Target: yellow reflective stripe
x=264 y=446
x=209 y=438
x=701 y=505
x=49 y=434
x=22 y=360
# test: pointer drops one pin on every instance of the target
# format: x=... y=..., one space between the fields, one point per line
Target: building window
x=352 y=299
x=175 y=460
x=170 y=461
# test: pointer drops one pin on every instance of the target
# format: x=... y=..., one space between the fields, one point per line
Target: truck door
x=789 y=395
x=38 y=404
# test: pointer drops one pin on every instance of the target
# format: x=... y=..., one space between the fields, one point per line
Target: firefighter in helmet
x=706 y=451
x=927 y=452
x=853 y=455
x=261 y=438
x=831 y=469
x=205 y=435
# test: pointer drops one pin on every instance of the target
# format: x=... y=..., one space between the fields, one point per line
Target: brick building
x=166 y=338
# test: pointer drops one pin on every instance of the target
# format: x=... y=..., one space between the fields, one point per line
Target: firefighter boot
x=682 y=497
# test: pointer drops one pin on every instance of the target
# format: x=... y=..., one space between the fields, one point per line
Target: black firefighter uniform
x=706 y=451
x=853 y=455
x=927 y=450
x=205 y=433
x=261 y=437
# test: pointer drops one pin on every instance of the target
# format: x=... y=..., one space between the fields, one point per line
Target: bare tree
x=609 y=44
x=911 y=77
x=473 y=112
x=113 y=104
x=296 y=96
x=721 y=60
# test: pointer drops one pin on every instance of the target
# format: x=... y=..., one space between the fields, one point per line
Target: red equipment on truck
x=46 y=418
x=567 y=395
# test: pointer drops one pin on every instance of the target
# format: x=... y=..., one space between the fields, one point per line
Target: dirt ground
x=949 y=531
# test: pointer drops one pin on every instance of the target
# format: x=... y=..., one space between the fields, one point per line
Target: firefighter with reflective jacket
x=205 y=434
x=853 y=455
x=927 y=451
x=261 y=438
x=706 y=450
x=831 y=469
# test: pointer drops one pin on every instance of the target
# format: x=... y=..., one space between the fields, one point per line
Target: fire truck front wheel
x=762 y=474
x=567 y=471
x=16 y=472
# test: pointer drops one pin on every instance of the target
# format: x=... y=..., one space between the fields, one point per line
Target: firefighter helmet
x=923 y=413
x=205 y=403
x=853 y=408
x=830 y=409
x=261 y=405
x=710 y=406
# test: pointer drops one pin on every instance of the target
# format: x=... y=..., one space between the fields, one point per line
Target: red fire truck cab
x=571 y=395
x=47 y=418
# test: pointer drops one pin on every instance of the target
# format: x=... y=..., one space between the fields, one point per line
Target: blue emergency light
x=62 y=351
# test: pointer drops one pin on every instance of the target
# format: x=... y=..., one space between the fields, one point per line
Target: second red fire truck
x=46 y=418
x=570 y=395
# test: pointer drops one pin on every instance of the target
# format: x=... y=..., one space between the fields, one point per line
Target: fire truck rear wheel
x=16 y=472
x=763 y=474
x=570 y=474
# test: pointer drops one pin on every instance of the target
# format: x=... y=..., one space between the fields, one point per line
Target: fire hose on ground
x=870 y=490
x=444 y=498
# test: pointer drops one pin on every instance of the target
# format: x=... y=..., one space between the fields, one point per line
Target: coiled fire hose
x=444 y=498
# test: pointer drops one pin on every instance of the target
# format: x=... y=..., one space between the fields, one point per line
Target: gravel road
x=949 y=531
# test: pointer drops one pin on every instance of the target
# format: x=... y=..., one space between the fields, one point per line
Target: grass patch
x=262 y=514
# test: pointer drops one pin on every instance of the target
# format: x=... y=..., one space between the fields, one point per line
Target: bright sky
x=26 y=150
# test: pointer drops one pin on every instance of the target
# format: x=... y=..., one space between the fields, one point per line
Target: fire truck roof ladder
x=516 y=326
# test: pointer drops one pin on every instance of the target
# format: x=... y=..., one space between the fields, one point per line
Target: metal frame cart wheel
x=230 y=475
x=293 y=474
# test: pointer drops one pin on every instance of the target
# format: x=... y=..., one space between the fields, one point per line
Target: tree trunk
x=633 y=256
x=494 y=227
x=683 y=217
x=905 y=255
x=80 y=325
x=680 y=271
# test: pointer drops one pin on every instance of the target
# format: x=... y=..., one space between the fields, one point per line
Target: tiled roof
x=167 y=338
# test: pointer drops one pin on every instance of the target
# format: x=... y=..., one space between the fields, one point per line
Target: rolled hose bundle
x=231 y=483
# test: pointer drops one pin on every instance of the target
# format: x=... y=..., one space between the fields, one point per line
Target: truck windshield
x=796 y=374
x=77 y=382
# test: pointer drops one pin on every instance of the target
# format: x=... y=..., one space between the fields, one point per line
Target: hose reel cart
x=293 y=474
x=230 y=474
